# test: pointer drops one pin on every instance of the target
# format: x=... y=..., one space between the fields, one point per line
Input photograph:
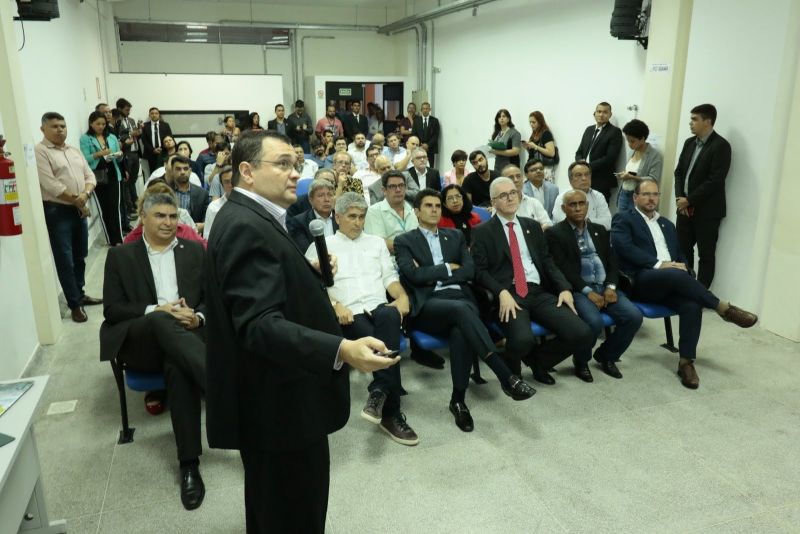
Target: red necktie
x=520 y=284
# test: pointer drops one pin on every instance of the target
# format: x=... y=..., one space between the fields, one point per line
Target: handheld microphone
x=317 y=229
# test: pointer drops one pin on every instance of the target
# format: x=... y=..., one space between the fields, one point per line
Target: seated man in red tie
x=513 y=262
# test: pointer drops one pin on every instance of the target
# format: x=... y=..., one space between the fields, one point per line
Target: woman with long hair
x=170 y=147
x=405 y=124
x=230 y=131
x=459 y=171
x=254 y=121
x=541 y=145
x=102 y=151
x=505 y=135
x=457 y=211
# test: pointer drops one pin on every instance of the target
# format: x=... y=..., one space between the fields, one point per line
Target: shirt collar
x=320 y=217
x=427 y=233
x=575 y=228
x=49 y=144
x=704 y=139
x=656 y=215
x=152 y=252
x=271 y=207
x=505 y=221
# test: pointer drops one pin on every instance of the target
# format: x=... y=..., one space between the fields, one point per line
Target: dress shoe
x=463 y=418
x=582 y=371
x=86 y=300
x=397 y=428
x=373 y=409
x=543 y=377
x=517 y=389
x=739 y=317
x=192 y=488
x=79 y=315
x=688 y=374
x=427 y=358
x=610 y=368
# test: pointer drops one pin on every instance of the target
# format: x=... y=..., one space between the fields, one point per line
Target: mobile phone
x=388 y=354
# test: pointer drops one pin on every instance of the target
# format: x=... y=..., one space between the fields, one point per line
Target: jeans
x=69 y=240
x=627 y=319
x=624 y=200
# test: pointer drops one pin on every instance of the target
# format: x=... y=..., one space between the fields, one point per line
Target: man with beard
x=329 y=123
x=476 y=184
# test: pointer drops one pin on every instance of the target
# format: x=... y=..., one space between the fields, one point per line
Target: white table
x=22 y=504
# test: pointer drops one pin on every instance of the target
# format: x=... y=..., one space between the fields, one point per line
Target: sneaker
x=398 y=429
x=373 y=409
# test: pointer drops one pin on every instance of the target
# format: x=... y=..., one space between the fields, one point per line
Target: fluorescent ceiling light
x=197 y=33
x=276 y=38
x=196 y=27
x=196 y=40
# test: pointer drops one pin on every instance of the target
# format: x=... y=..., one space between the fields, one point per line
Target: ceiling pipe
x=435 y=13
x=275 y=25
x=415 y=29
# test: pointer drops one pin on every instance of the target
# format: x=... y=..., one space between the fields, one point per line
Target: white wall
x=555 y=57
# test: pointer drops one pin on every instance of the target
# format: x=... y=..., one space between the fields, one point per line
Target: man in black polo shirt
x=476 y=184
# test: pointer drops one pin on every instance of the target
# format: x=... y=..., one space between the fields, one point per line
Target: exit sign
x=345 y=91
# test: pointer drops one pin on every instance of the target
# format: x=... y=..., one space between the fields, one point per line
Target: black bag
x=546 y=161
x=101 y=176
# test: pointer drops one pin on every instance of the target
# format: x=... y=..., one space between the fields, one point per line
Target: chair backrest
x=483 y=213
x=303 y=185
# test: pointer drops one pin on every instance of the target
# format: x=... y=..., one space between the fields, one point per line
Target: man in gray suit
x=539 y=188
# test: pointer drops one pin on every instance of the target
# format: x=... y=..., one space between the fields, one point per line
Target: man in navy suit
x=700 y=190
x=320 y=194
x=600 y=147
x=647 y=246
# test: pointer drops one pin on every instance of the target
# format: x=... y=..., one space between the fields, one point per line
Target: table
x=22 y=503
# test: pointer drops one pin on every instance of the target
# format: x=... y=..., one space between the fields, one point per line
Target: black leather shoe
x=90 y=301
x=518 y=390
x=427 y=358
x=610 y=368
x=192 y=488
x=582 y=371
x=543 y=377
x=463 y=418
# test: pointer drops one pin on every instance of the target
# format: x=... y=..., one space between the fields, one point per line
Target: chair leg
x=670 y=344
x=476 y=371
x=126 y=434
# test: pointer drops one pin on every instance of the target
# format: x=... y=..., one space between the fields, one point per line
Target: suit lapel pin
x=527 y=232
x=445 y=238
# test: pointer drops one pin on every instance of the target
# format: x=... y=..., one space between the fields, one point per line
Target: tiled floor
x=641 y=454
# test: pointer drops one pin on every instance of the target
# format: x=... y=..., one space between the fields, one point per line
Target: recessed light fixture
x=195 y=40
x=197 y=33
x=196 y=27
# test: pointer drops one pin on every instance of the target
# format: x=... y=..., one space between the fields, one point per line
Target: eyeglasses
x=537 y=169
x=650 y=195
x=285 y=165
x=395 y=187
x=453 y=198
x=507 y=196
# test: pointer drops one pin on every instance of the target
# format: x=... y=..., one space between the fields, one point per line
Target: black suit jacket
x=493 y=269
x=272 y=338
x=705 y=187
x=604 y=155
x=633 y=243
x=126 y=297
x=432 y=179
x=428 y=136
x=352 y=126
x=273 y=125
x=147 y=136
x=298 y=228
x=420 y=279
x=564 y=248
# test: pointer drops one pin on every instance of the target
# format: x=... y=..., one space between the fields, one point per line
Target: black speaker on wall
x=628 y=21
x=40 y=10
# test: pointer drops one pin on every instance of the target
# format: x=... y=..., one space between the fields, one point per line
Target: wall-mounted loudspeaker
x=628 y=21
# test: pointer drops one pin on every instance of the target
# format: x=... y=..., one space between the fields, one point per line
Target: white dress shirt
x=165 y=275
x=533 y=209
x=662 y=250
x=598 y=208
x=364 y=273
x=211 y=213
x=359 y=157
x=309 y=169
x=273 y=209
x=531 y=273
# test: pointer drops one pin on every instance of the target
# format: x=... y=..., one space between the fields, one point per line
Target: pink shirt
x=326 y=124
x=61 y=170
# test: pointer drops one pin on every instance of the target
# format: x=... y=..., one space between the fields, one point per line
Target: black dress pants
x=385 y=325
x=571 y=333
x=677 y=289
x=287 y=491
x=703 y=233
x=156 y=343
x=454 y=313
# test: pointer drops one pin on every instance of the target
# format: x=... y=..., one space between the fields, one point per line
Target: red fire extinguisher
x=10 y=217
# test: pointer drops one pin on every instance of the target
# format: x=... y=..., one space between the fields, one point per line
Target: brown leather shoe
x=79 y=315
x=90 y=301
x=739 y=317
x=688 y=374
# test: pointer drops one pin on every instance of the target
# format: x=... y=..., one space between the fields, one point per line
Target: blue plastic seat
x=302 y=186
x=483 y=213
x=657 y=311
x=428 y=341
x=608 y=321
x=144 y=381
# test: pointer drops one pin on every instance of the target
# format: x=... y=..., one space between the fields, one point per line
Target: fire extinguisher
x=10 y=217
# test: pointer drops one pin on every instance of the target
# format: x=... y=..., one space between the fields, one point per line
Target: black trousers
x=155 y=343
x=571 y=333
x=129 y=188
x=108 y=203
x=287 y=491
x=385 y=325
x=678 y=290
x=703 y=233
x=455 y=313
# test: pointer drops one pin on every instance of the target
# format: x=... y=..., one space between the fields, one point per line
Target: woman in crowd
x=405 y=124
x=459 y=171
x=644 y=161
x=169 y=148
x=231 y=131
x=376 y=123
x=506 y=135
x=254 y=120
x=457 y=211
x=541 y=145
x=102 y=151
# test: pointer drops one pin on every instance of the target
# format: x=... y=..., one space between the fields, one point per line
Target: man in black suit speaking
x=275 y=348
x=600 y=146
x=700 y=191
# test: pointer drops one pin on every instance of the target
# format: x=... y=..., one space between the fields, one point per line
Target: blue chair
x=483 y=213
x=303 y=185
x=657 y=311
x=136 y=381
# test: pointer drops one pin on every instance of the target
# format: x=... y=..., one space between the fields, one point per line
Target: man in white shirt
x=528 y=206
x=365 y=273
x=305 y=167
x=225 y=176
x=358 y=151
x=580 y=177
x=166 y=173
x=393 y=215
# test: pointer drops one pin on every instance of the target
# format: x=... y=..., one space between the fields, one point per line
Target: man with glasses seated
x=513 y=262
x=539 y=188
x=393 y=215
x=370 y=175
x=580 y=177
x=528 y=206
x=421 y=174
x=383 y=164
x=650 y=256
